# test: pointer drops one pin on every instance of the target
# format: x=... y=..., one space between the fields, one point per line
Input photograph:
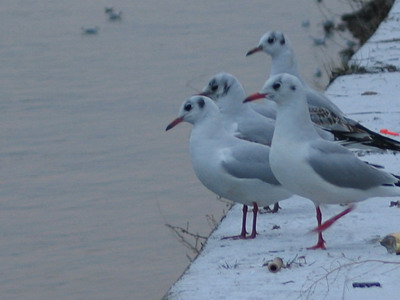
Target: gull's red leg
x=254 y=228
x=328 y=223
x=242 y=235
x=321 y=243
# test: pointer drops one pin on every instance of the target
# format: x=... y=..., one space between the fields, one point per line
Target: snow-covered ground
x=234 y=269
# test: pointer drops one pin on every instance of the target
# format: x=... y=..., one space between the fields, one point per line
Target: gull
x=320 y=170
x=323 y=111
x=226 y=90
x=238 y=118
x=232 y=168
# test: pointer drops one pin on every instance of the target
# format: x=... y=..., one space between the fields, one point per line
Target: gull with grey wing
x=323 y=111
x=232 y=168
x=305 y=164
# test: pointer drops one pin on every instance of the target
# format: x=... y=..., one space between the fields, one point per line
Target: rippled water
x=88 y=177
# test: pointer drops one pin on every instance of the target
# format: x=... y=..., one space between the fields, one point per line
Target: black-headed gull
x=232 y=168
x=239 y=118
x=309 y=166
x=323 y=111
x=224 y=88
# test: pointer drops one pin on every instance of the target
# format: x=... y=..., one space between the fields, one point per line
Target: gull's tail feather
x=367 y=137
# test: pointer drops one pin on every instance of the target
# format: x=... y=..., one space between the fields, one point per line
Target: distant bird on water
x=108 y=9
x=90 y=30
x=114 y=16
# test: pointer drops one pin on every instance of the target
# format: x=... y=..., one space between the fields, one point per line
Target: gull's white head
x=282 y=88
x=193 y=110
x=222 y=85
x=272 y=43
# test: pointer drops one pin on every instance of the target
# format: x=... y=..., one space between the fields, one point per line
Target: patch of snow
x=383 y=48
x=233 y=269
x=371 y=99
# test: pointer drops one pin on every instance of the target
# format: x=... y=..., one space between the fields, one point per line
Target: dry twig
x=310 y=290
x=183 y=234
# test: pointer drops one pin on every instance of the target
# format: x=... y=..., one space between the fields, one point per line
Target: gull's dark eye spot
x=226 y=88
x=271 y=40
x=283 y=41
x=201 y=103
x=188 y=107
x=213 y=85
x=276 y=86
x=293 y=87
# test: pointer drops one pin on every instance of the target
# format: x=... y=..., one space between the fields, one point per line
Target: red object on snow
x=385 y=131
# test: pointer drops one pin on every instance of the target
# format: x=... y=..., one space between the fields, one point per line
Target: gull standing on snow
x=309 y=166
x=323 y=111
x=232 y=168
x=241 y=119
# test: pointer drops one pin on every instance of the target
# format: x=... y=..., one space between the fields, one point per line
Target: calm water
x=88 y=177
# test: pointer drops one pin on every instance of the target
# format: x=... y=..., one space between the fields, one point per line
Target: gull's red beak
x=255 y=96
x=174 y=123
x=254 y=50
